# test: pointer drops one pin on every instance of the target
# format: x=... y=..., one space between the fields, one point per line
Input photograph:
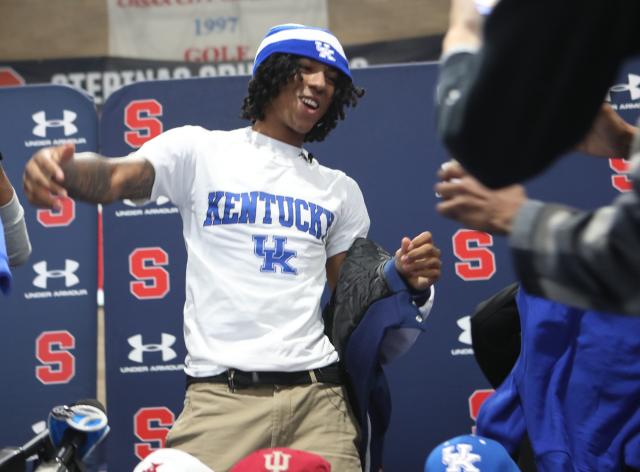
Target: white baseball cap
x=171 y=460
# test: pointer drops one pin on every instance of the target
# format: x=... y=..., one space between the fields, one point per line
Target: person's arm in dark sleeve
x=585 y=259
x=533 y=89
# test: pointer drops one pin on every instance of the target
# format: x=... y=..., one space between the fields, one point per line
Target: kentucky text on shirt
x=228 y=208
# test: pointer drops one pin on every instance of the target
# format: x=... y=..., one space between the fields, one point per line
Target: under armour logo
x=166 y=341
x=325 y=51
x=159 y=201
x=44 y=274
x=464 y=324
x=461 y=461
x=277 y=462
x=632 y=86
x=276 y=256
x=68 y=117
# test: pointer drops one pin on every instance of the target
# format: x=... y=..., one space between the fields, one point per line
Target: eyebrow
x=331 y=72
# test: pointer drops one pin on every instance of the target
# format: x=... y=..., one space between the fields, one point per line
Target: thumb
x=404 y=245
x=65 y=152
x=402 y=250
x=61 y=155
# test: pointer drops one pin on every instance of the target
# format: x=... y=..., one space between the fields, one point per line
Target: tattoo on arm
x=93 y=178
x=88 y=177
x=141 y=184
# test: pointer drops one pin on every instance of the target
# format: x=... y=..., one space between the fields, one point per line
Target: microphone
x=14 y=459
x=75 y=431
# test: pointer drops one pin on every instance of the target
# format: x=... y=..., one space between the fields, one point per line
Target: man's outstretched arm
x=59 y=171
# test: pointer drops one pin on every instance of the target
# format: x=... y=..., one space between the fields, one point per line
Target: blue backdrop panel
x=145 y=350
x=48 y=322
x=389 y=146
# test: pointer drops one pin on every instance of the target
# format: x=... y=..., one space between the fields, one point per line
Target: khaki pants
x=220 y=427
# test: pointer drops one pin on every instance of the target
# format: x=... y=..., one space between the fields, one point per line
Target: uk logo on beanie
x=307 y=41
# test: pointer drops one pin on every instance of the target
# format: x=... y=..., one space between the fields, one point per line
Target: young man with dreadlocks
x=265 y=227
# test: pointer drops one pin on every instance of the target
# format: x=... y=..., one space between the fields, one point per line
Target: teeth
x=310 y=102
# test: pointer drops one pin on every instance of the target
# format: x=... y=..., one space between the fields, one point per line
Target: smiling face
x=301 y=103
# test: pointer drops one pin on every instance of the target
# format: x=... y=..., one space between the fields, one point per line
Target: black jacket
x=533 y=90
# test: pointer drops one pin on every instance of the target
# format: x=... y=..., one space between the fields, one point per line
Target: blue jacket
x=372 y=318
x=575 y=389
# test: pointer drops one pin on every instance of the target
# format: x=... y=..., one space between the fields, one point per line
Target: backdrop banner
x=101 y=76
x=211 y=30
x=48 y=321
x=389 y=146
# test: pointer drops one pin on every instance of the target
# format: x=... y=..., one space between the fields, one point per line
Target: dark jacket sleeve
x=588 y=259
x=495 y=334
x=360 y=283
x=532 y=91
x=366 y=276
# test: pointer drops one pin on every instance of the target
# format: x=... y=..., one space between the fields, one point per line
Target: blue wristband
x=397 y=283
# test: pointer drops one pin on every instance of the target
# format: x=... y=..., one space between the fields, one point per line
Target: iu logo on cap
x=278 y=461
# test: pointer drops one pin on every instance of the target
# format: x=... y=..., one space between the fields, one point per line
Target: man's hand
x=465 y=26
x=43 y=176
x=466 y=200
x=418 y=261
x=609 y=136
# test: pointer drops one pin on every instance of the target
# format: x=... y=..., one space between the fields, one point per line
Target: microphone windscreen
x=84 y=420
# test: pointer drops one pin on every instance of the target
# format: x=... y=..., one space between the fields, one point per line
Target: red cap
x=281 y=459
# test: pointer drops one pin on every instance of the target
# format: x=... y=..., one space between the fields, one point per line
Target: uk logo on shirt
x=276 y=256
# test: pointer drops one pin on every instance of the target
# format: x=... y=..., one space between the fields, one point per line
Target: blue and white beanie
x=315 y=43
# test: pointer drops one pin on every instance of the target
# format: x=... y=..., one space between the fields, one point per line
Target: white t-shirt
x=259 y=222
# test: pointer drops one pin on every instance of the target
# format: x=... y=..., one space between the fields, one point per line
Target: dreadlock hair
x=275 y=72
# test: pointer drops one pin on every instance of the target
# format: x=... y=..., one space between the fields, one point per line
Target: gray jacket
x=588 y=259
